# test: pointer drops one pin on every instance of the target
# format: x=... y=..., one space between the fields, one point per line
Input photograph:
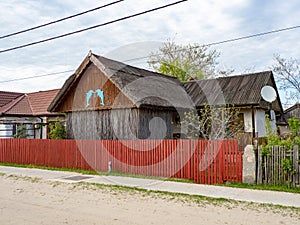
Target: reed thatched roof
x=144 y=88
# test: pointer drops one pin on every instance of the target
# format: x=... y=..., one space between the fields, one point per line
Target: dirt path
x=29 y=201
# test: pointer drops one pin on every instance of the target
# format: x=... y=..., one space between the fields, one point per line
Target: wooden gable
x=93 y=91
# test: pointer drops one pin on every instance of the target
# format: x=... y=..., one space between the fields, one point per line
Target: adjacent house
x=106 y=99
x=293 y=111
x=28 y=111
x=242 y=92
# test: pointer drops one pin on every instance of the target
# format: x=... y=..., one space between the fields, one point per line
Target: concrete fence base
x=249 y=165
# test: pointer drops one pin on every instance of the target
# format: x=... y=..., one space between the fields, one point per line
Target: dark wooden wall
x=155 y=124
x=293 y=113
x=119 y=124
x=93 y=79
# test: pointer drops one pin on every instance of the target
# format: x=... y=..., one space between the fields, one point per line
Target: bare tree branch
x=287 y=74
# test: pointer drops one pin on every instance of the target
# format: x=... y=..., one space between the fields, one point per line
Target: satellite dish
x=268 y=93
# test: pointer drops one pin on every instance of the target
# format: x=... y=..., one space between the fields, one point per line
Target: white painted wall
x=247 y=119
x=260 y=122
x=6 y=130
x=273 y=120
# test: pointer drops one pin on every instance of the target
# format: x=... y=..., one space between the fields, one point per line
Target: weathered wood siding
x=119 y=124
x=93 y=79
x=155 y=124
x=102 y=125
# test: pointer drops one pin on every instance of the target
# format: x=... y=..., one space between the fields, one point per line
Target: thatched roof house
x=106 y=99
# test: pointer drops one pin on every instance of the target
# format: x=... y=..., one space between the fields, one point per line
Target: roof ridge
x=13 y=103
x=135 y=67
x=42 y=91
x=29 y=102
x=12 y=92
x=247 y=74
x=233 y=76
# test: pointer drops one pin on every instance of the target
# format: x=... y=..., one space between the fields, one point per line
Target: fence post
x=249 y=165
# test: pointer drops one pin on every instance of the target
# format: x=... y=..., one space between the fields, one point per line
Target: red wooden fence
x=206 y=162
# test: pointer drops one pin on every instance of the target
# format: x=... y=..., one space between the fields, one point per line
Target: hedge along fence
x=279 y=166
x=206 y=162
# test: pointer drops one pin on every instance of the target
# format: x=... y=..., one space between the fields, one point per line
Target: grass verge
x=266 y=187
x=91 y=172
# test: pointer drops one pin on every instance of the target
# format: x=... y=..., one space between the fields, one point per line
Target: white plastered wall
x=260 y=121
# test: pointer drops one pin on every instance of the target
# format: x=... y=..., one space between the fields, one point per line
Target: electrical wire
x=224 y=41
x=92 y=27
x=210 y=44
x=59 y=20
x=37 y=76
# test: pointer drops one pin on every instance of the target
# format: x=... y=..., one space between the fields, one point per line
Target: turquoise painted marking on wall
x=97 y=93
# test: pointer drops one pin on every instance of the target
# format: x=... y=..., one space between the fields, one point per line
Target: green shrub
x=57 y=129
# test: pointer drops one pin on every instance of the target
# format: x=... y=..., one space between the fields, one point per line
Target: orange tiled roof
x=6 y=97
x=40 y=101
x=34 y=104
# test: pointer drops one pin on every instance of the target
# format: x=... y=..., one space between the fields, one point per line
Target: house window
x=176 y=119
x=14 y=130
x=239 y=122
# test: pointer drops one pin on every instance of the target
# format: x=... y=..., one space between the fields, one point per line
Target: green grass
x=27 y=178
x=50 y=168
x=91 y=172
x=281 y=188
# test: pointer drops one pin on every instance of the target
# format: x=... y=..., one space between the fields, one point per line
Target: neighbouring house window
x=14 y=130
x=176 y=119
x=239 y=122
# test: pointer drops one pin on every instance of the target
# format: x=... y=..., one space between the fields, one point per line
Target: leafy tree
x=186 y=61
x=21 y=131
x=212 y=123
x=287 y=73
x=57 y=129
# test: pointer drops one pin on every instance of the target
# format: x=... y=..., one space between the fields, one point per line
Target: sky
x=194 y=21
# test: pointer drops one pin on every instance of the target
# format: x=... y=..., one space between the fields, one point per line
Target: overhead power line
x=224 y=41
x=37 y=76
x=145 y=57
x=92 y=27
x=59 y=20
x=254 y=35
